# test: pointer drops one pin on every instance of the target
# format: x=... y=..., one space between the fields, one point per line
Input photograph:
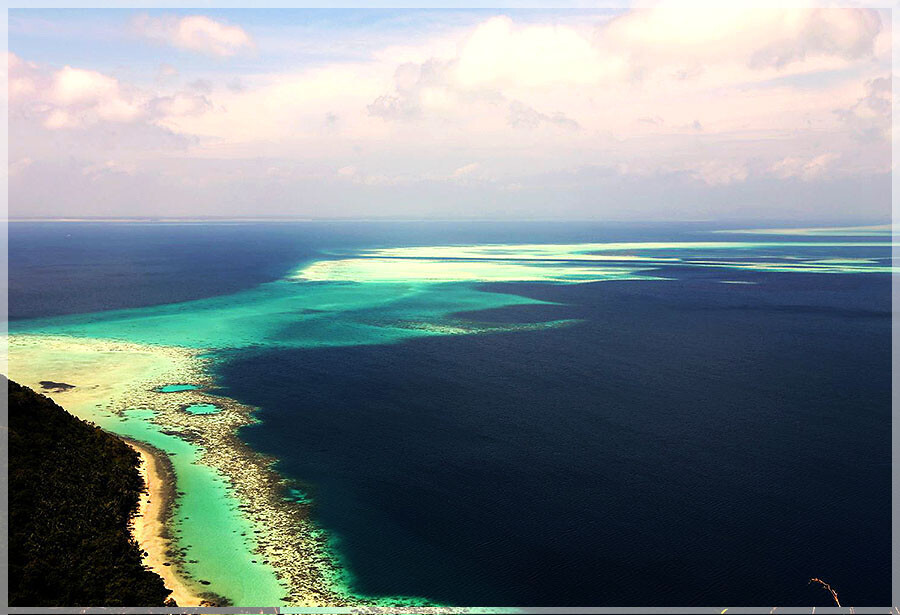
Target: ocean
x=530 y=414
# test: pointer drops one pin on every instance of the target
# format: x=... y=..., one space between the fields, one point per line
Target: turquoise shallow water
x=284 y=313
x=202 y=409
x=216 y=538
x=388 y=296
x=175 y=388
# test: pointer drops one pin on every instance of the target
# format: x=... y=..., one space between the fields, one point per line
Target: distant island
x=73 y=489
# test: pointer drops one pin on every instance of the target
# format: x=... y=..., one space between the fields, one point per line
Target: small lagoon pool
x=175 y=388
x=202 y=409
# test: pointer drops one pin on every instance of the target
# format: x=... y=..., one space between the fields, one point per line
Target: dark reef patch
x=56 y=387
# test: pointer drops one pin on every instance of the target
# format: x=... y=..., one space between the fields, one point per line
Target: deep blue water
x=686 y=443
x=72 y=268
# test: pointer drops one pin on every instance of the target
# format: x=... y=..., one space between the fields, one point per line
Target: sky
x=671 y=112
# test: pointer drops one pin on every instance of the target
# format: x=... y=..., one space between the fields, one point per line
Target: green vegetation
x=72 y=490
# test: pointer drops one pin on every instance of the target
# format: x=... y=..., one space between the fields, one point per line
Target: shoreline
x=149 y=525
x=116 y=386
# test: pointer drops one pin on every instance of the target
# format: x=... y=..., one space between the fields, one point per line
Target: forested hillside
x=72 y=490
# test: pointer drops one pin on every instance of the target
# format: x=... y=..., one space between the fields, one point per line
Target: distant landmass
x=72 y=491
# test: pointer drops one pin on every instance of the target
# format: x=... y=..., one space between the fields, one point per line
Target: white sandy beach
x=148 y=528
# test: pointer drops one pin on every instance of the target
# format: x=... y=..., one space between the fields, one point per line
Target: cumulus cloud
x=870 y=117
x=689 y=57
x=494 y=61
x=393 y=107
x=722 y=98
x=690 y=37
x=720 y=173
x=807 y=169
x=498 y=52
x=521 y=115
x=21 y=77
x=179 y=104
x=195 y=33
x=419 y=87
x=72 y=111
x=74 y=97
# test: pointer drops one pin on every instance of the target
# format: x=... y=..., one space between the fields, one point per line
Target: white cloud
x=870 y=116
x=195 y=33
x=696 y=98
x=673 y=34
x=180 y=104
x=521 y=115
x=57 y=118
x=73 y=86
x=500 y=53
x=78 y=97
x=20 y=77
x=719 y=173
x=807 y=169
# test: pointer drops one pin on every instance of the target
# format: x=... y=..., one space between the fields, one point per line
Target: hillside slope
x=72 y=490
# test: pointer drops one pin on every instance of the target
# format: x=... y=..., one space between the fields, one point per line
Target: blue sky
x=294 y=37
x=666 y=112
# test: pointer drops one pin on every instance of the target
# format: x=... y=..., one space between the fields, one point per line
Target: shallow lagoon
x=175 y=388
x=217 y=540
x=202 y=409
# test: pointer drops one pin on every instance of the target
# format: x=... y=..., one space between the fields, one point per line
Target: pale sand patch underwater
x=230 y=522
